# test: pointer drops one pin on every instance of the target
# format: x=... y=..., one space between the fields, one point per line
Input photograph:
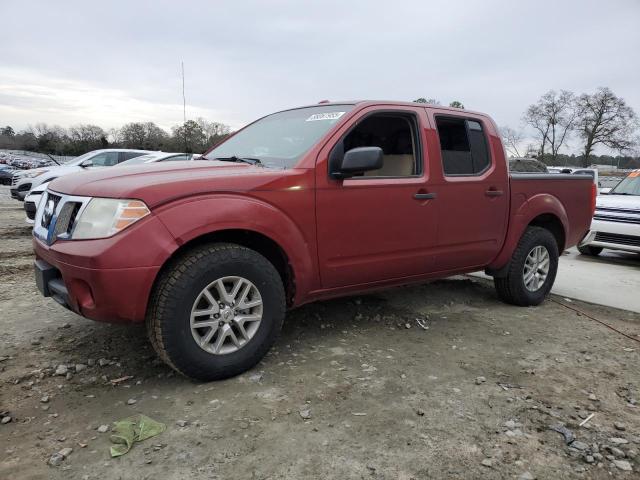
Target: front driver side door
x=381 y=225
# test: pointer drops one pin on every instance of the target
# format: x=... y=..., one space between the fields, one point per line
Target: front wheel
x=216 y=311
x=588 y=250
x=532 y=270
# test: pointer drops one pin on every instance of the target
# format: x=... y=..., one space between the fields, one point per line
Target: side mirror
x=87 y=163
x=357 y=160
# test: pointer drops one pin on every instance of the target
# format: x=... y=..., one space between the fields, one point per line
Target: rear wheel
x=216 y=311
x=532 y=270
x=588 y=250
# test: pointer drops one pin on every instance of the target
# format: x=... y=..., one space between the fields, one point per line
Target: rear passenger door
x=472 y=193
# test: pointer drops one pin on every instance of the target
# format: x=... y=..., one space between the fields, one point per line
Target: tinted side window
x=463 y=146
x=177 y=158
x=394 y=134
x=105 y=159
x=129 y=155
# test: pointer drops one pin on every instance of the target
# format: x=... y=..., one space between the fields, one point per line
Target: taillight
x=594 y=194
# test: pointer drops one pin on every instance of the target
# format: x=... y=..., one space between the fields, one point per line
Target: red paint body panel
x=340 y=236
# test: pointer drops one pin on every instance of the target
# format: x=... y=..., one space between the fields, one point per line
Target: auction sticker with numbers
x=324 y=116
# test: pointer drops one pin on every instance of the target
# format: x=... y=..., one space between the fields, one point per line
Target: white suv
x=616 y=223
x=25 y=180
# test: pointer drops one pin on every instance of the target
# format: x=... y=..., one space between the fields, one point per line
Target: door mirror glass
x=359 y=160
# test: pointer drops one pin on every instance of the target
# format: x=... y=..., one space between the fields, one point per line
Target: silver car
x=25 y=180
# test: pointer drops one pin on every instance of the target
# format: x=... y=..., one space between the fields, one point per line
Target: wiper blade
x=234 y=158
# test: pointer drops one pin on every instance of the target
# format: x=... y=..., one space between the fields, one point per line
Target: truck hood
x=156 y=183
x=627 y=202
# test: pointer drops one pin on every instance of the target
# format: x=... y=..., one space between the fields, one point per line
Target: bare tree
x=605 y=119
x=146 y=135
x=511 y=139
x=113 y=135
x=553 y=117
x=214 y=131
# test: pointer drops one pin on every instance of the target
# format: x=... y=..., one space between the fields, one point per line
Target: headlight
x=33 y=173
x=104 y=217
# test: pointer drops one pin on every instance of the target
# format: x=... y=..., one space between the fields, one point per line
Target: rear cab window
x=463 y=146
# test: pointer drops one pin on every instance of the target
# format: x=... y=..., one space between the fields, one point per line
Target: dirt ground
x=473 y=394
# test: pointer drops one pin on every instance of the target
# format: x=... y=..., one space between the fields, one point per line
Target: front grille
x=56 y=216
x=14 y=179
x=66 y=217
x=629 y=240
x=618 y=215
x=46 y=220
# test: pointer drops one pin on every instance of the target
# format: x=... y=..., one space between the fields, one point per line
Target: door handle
x=493 y=193
x=424 y=196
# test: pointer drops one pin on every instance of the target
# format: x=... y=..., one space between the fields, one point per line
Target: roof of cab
x=371 y=103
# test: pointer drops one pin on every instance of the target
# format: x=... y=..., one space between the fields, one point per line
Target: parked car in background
x=591 y=172
x=23 y=181
x=32 y=200
x=6 y=174
x=301 y=205
x=157 y=157
x=616 y=222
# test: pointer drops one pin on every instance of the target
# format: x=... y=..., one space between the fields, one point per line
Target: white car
x=158 y=157
x=616 y=223
x=25 y=180
x=32 y=200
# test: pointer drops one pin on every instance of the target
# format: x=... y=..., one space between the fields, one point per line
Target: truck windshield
x=281 y=139
x=628 y=186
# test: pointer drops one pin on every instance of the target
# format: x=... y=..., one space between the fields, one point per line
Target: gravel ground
x=432 y=381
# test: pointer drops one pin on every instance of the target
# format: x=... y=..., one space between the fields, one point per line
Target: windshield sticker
x=325 y=116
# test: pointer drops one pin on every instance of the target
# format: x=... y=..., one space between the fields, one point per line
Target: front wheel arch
x=264 y=245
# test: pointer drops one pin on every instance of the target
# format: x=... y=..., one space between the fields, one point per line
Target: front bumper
x=114 y=296
x=613 y=235
x=18 y=194
x=108 y=280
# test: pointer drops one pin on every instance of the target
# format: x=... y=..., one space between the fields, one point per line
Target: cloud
x=109 y=63
x=29 y=97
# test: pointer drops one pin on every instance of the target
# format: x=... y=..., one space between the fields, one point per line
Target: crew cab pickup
x=301 y=205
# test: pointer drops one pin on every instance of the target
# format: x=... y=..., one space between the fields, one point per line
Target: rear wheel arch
x=548 y=221
x=551 y=222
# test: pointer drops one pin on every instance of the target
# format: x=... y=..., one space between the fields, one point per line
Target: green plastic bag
x=133 y=429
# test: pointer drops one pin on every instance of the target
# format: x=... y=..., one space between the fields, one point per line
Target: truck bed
x=572 y=192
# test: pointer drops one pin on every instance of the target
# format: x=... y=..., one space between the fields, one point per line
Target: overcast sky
x=113 y=62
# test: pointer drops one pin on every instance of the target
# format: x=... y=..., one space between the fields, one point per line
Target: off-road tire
x=589 y=250
x=168 y=313
x=511 y=288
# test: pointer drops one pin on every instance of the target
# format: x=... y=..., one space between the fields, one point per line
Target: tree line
x=598 y=119
x=193 y=136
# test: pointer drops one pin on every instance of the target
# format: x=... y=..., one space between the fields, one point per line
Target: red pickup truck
x=301 y=205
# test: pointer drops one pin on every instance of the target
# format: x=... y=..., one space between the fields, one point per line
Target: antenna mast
x=184 y=110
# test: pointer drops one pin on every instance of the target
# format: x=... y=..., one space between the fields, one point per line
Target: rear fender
x=526 y=213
